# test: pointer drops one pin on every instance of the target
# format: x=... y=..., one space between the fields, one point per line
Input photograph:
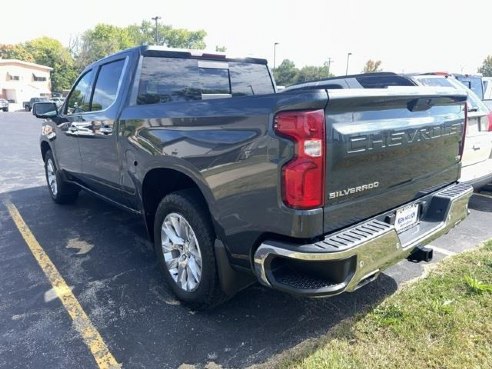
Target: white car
x=477 y=155
x=58 y=101
x=487 y=91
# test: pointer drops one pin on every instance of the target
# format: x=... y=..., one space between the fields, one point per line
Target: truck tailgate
x=388 y=147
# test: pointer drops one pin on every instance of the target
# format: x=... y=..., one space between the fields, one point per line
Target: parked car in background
x=365 y=80
x=29 y=104
x=4 y=105
x=477 y=156
x=487 y=91
x=472 y=81
x=58 y=101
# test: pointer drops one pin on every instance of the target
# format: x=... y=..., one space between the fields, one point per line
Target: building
x=19 y=80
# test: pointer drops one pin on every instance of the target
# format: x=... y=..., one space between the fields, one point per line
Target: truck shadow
x=104 y=253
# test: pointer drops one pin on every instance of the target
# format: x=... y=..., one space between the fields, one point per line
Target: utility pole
x=348 y=57
x=156 y=37
x=329 y=64
x=275 y=54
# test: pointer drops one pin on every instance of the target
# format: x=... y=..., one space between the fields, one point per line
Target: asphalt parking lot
x=103 y=255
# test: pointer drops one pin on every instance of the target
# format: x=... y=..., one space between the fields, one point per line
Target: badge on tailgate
x=406 y=217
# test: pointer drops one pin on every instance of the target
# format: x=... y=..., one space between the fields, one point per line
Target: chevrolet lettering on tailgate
x=367 y=142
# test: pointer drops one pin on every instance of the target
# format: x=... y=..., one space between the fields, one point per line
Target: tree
x=183 y=38
x=220 y=49
x=486 y=68
x=17 y=51
x=312 y=73
x=372 y=66
x=285 y=74
x=107 y=39
x=50 y=52
x=144 y=34
x=103 y=40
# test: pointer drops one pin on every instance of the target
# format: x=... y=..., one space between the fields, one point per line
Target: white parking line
x=484 y=195
x=442 y=251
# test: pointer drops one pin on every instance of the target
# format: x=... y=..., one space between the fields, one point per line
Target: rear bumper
x=477 y=175
x=350 y=258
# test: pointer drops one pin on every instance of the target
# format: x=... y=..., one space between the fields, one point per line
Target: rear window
x=438 y=82
x=473 y=83
x=383 y=81
x=165 y=80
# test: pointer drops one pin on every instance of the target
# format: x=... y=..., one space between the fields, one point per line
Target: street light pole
x=156 y=37
x=275 y=54
x=329 y=64
x=348 y=57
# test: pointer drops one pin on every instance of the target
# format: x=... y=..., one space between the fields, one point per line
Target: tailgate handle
x=420 y=104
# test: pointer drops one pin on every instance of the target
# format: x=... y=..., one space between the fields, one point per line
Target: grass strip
x=443 y=321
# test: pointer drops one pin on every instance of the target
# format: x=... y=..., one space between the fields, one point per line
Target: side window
x=107 y=84
x=79 y=99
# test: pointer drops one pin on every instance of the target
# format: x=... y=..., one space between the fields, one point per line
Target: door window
x=108 y=81
x=79 y=99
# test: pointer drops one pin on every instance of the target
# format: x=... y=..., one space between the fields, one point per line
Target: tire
x=182 y=261
x=27 y=108
x=61 y=192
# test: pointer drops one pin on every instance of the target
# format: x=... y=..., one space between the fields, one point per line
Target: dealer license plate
x=406 y=217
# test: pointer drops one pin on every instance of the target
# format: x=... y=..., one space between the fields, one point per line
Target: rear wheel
x=61 y=192
x=184 y=244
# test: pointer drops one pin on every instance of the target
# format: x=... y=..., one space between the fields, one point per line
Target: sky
x=407 y=36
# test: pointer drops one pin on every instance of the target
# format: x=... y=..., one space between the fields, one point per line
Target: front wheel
x=184 y=244
x=61 y=192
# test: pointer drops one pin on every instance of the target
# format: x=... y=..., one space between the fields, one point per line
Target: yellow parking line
x=82 y=323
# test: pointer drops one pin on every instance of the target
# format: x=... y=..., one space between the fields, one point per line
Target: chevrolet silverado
x=310 y=192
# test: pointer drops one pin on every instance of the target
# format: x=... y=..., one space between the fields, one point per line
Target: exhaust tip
x=421 y=253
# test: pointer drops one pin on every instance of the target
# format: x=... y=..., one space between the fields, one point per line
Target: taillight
x=465 y=125
x=489 y=126
x=303 y=177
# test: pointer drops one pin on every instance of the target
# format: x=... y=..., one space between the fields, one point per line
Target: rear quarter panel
x=228 y=148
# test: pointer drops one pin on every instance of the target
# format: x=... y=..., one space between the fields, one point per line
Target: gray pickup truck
x=310 y=192
x=32 y=101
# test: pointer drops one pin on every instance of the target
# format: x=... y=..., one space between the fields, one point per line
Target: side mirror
x=45 y=110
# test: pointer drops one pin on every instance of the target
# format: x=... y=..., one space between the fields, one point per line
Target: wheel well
x=159 y=183
x=44 y=148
